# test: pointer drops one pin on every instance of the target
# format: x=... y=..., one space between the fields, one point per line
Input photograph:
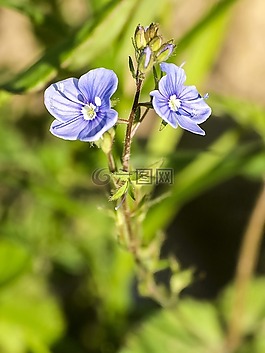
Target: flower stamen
x=89 y=111
x=174 y=103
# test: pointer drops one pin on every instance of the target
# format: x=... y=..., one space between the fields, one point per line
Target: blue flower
x=82 y=107
x=177 y=104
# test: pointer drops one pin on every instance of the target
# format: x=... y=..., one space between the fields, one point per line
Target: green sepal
x=131 y=67
x=163 y=125
x=156 y=79
x=120 y=191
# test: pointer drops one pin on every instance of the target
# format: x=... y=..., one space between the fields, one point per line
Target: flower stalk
x=128 y=136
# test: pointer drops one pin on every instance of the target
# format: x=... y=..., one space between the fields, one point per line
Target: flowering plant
x=83 y=111
x=125 y=192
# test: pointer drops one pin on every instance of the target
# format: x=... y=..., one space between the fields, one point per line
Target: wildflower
x=178 y=104
x=82 y=107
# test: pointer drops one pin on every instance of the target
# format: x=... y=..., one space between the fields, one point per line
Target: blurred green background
x=65 y=284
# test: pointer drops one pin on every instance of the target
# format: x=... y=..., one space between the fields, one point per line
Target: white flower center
x=174 y=103
x=89 y=110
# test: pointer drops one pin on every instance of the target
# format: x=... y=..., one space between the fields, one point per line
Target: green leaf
x=131 y=67
x=193 y=327
x=120 y=191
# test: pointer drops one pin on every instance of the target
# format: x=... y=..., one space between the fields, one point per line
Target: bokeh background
x=65 y=284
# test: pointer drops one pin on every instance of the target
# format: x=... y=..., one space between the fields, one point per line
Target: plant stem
x=128 y=136
x=246 y=265
x=132 y=246
x=139 y=122
x=111 y=162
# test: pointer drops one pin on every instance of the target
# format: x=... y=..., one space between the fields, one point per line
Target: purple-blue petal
x=188 y=124
x=68 y=130
x=197 y=110
x=100 y=83
x=95 y=128
x=64 y=100
x=172 y=82
x=160 y=104
x=188 y=93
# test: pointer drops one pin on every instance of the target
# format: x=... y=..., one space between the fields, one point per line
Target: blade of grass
x=80 y=49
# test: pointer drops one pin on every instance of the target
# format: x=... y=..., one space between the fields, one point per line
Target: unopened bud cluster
x=149 y=47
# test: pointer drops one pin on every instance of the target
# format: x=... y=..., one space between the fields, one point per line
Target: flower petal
x=197 y=110
x=188 y=124
x=68 y=130
x=96 y=127
x=160 y=104
x=172 y=82
x=189 y=93
x=100 y=83
x=63 y=99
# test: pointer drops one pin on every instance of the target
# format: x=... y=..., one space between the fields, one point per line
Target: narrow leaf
x=120 y=192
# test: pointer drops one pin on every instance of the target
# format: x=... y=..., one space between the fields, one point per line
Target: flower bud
x=139 y=37
x=106 y=141
x=151 y=32
x=146 y=60
x=155 y=43
x=164 y=52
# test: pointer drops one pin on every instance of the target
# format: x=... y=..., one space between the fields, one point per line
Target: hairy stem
x=128 y=136
x=246 y=265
